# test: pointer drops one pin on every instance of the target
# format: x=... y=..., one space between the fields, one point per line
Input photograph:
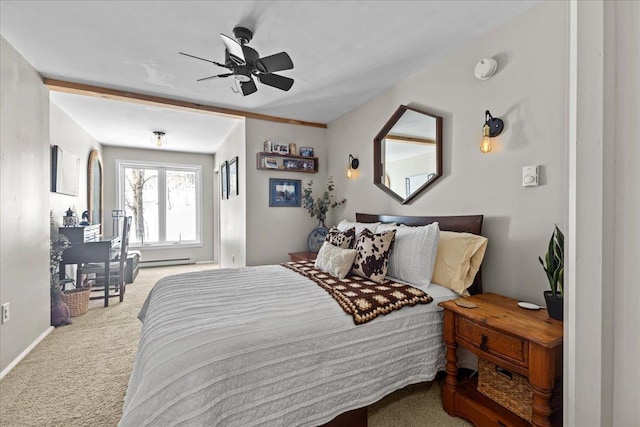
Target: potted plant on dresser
x=553 y=265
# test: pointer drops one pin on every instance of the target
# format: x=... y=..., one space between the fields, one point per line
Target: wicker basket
x=77 y=300
x=511 y=390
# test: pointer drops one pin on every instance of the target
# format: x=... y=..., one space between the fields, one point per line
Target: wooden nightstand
x=525 y=342
x=303 y=256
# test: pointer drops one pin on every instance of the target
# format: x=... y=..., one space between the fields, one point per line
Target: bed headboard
x=463 y=223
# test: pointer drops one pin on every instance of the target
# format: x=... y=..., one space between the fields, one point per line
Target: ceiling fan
x=244 y=63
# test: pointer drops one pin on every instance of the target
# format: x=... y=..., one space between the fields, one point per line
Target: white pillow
x=413 y=256
x=359 y=226
x=334 y=260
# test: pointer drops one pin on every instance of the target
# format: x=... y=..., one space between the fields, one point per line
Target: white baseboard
x=165 y=262
x=26 y=351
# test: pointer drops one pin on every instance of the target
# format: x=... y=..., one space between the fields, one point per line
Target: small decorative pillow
x=458 y=260
x=372 y=259
x=334 y=260
x=341 y=239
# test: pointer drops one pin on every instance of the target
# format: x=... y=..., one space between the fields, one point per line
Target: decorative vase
x=555 y=305
x=316 y=237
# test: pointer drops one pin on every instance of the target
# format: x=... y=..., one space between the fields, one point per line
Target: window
x=163 y=200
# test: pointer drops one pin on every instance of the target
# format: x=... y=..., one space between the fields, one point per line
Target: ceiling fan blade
x=234 y=49
x=278 y=62
x=248 y=87
x=208 y=60
x=216 y=76
x=276 y=81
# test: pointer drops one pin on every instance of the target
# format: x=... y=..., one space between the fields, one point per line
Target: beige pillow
x=334 y=260
x=458 y=260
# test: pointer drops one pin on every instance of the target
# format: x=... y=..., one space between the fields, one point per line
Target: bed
x=265 y=346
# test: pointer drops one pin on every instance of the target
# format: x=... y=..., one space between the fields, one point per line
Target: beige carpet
x=78 y=375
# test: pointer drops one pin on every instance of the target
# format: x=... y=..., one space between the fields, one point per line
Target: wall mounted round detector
x=485 y=68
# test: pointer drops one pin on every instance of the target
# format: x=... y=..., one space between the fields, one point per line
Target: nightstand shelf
x=525 y=342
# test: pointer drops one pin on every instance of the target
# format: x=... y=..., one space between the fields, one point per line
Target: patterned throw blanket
x=363 y=299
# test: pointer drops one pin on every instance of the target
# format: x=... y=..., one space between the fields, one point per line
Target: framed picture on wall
x=234 y=190
x=65 y=171
x=285 y=193
x=224 y=180
x=306 y=151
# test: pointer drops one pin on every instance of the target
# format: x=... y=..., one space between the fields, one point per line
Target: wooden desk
x=302 y=256
x=100 y=249
x=525 y=342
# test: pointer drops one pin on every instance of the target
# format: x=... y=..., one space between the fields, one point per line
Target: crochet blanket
x=361 y=298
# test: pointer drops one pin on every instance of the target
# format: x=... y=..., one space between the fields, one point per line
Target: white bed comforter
x=264 y=346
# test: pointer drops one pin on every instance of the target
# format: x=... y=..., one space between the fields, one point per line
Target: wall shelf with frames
x=286 y=162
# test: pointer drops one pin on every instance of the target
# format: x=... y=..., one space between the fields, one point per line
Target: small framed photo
x=293 y=149
x=306 y=151
x=266 y=146
x=277 y=147
x=234 y=189
x=290 y=164
x=285 y=192
x=224 y=180
x=306 y=165
x=271 y=162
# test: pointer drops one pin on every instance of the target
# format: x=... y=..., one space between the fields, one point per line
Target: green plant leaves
x=553 y=263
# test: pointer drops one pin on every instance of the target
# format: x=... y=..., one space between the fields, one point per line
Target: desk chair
x=116 y=270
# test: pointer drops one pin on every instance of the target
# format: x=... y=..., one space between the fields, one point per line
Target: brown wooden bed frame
x=464 y=223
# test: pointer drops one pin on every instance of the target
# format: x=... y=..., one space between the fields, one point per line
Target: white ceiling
x=344 y=53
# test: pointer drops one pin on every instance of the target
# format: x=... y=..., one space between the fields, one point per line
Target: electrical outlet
x=5 y=312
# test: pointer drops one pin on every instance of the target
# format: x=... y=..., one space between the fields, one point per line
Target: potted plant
x=57 y=243
x=553 y=265
x=318 y=208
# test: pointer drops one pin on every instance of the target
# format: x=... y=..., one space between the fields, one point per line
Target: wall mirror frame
x=407 y=153
x=95 y=188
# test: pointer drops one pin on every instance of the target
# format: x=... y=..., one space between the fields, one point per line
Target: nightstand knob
x=483 y=343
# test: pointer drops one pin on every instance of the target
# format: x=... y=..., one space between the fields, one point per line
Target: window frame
x=162 y=168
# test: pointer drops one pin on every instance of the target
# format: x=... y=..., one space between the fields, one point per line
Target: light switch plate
x=530 y=176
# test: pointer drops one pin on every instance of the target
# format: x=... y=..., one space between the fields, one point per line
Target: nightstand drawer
x=493 y=342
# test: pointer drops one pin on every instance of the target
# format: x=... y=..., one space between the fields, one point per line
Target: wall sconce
x=492 y=128
x=353 y=164
x=159 y=138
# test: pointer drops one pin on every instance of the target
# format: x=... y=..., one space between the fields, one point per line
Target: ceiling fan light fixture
x=243 y=75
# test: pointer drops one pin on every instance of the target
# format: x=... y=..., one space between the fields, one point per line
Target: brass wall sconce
x=353 y=165
x=493 y=127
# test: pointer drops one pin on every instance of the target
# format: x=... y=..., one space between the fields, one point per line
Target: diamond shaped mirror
x=407 y=153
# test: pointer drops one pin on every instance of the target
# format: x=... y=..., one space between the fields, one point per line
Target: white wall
x=67 y=134
x=528 y=92
x=233 y=211
x=24 y=211
x=273 y=232
x=626 y=216
x=601 y=314
x=109 y=156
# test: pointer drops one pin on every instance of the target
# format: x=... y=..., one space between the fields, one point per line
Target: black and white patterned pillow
x=341 y=239
x=372 y=259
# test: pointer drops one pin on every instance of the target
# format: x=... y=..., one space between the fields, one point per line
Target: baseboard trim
x=26 y=351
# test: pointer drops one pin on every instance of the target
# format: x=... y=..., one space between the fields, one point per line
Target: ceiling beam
x=157 y=101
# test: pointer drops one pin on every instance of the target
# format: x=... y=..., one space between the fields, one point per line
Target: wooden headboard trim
x=461 y=224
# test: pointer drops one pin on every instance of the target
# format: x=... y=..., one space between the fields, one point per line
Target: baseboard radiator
x=165 y=262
